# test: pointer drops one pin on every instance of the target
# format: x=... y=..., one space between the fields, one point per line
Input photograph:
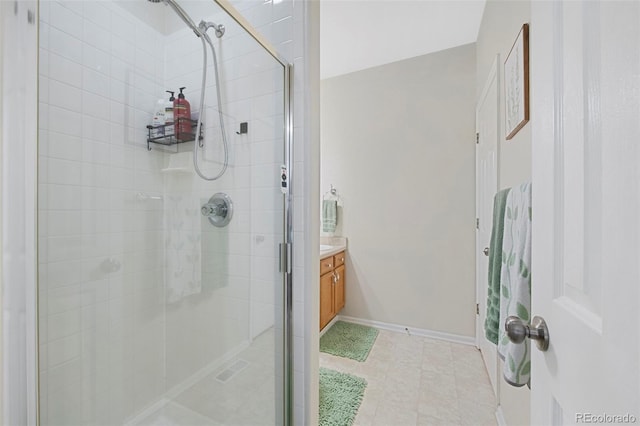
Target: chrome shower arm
x=184 y=16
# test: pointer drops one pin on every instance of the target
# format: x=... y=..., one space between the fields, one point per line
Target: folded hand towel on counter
x=329 y=215
x=515 y=283
x=492 y=320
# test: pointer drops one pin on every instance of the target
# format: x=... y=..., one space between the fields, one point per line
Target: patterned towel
x=183 y=263
x=515 y=283
x=492 y=320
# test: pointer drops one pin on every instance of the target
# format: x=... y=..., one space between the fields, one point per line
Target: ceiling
x=360 y=34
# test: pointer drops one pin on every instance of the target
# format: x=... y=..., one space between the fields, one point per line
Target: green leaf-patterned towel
x=492 y=320
x=515 y=282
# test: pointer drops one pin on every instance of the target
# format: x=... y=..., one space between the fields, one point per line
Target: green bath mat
x=348 y=340
x=340 y=397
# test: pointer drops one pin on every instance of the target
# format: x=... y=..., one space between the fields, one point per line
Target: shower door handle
x=285 y=258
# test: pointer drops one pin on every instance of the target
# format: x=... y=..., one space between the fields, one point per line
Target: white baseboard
x=328 y=326
x=500 y=416
x=454 y=338
x=172 y=393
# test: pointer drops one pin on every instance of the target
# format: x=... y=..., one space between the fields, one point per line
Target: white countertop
x=332 y=245
x=332 y=250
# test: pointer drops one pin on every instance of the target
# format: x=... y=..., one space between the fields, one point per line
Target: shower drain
x=232 y=370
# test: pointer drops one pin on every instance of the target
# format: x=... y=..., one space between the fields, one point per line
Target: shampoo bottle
x=169 y=115
x=182 y=117
x=158 y=120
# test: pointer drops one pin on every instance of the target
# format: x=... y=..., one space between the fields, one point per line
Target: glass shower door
x=153 y=311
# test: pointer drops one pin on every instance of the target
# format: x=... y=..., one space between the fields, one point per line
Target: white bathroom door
x=486 y=187
x=585 y=93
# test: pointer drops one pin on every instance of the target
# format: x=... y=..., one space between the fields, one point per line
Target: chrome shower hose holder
x=204 y=26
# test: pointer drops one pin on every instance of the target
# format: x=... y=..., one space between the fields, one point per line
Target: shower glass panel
x=148 y=313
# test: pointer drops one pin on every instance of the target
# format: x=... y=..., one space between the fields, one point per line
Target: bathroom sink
x=324 y=247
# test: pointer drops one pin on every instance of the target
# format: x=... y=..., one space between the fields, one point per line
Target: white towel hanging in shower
x=183 y=276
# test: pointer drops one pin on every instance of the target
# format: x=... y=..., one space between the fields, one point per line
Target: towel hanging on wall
x=515 y=283
x=330 y=210
x=329 y=215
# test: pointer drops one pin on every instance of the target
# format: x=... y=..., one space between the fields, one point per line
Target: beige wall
x=500 y=25
x=398 y=144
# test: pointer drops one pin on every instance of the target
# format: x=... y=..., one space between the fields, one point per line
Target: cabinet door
x=326 y=299
x=339 y=297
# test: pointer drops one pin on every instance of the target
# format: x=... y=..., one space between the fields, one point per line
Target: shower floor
x=239 y=393
x=173 y=414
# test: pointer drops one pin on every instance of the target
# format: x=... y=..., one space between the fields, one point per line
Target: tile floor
x=419 y=381
x=411 y=381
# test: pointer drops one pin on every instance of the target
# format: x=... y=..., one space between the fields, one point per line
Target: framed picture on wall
x=516 y=84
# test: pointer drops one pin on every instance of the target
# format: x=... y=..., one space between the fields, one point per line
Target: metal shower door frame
x=286 y=257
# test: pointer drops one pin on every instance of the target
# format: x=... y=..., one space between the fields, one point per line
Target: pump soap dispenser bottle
x=182 y=116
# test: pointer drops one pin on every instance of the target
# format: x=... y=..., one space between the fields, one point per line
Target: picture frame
x=516 y=84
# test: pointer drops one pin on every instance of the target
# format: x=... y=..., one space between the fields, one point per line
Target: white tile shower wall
x=239 y=261
x=275 y=21
x=101 y=246
x=282 y=23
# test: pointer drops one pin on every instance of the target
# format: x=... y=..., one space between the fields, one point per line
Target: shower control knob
x=208 y=210
x=211 y=209
x=218 y=209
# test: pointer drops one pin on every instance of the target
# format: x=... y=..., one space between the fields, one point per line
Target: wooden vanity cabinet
x=332 y=287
